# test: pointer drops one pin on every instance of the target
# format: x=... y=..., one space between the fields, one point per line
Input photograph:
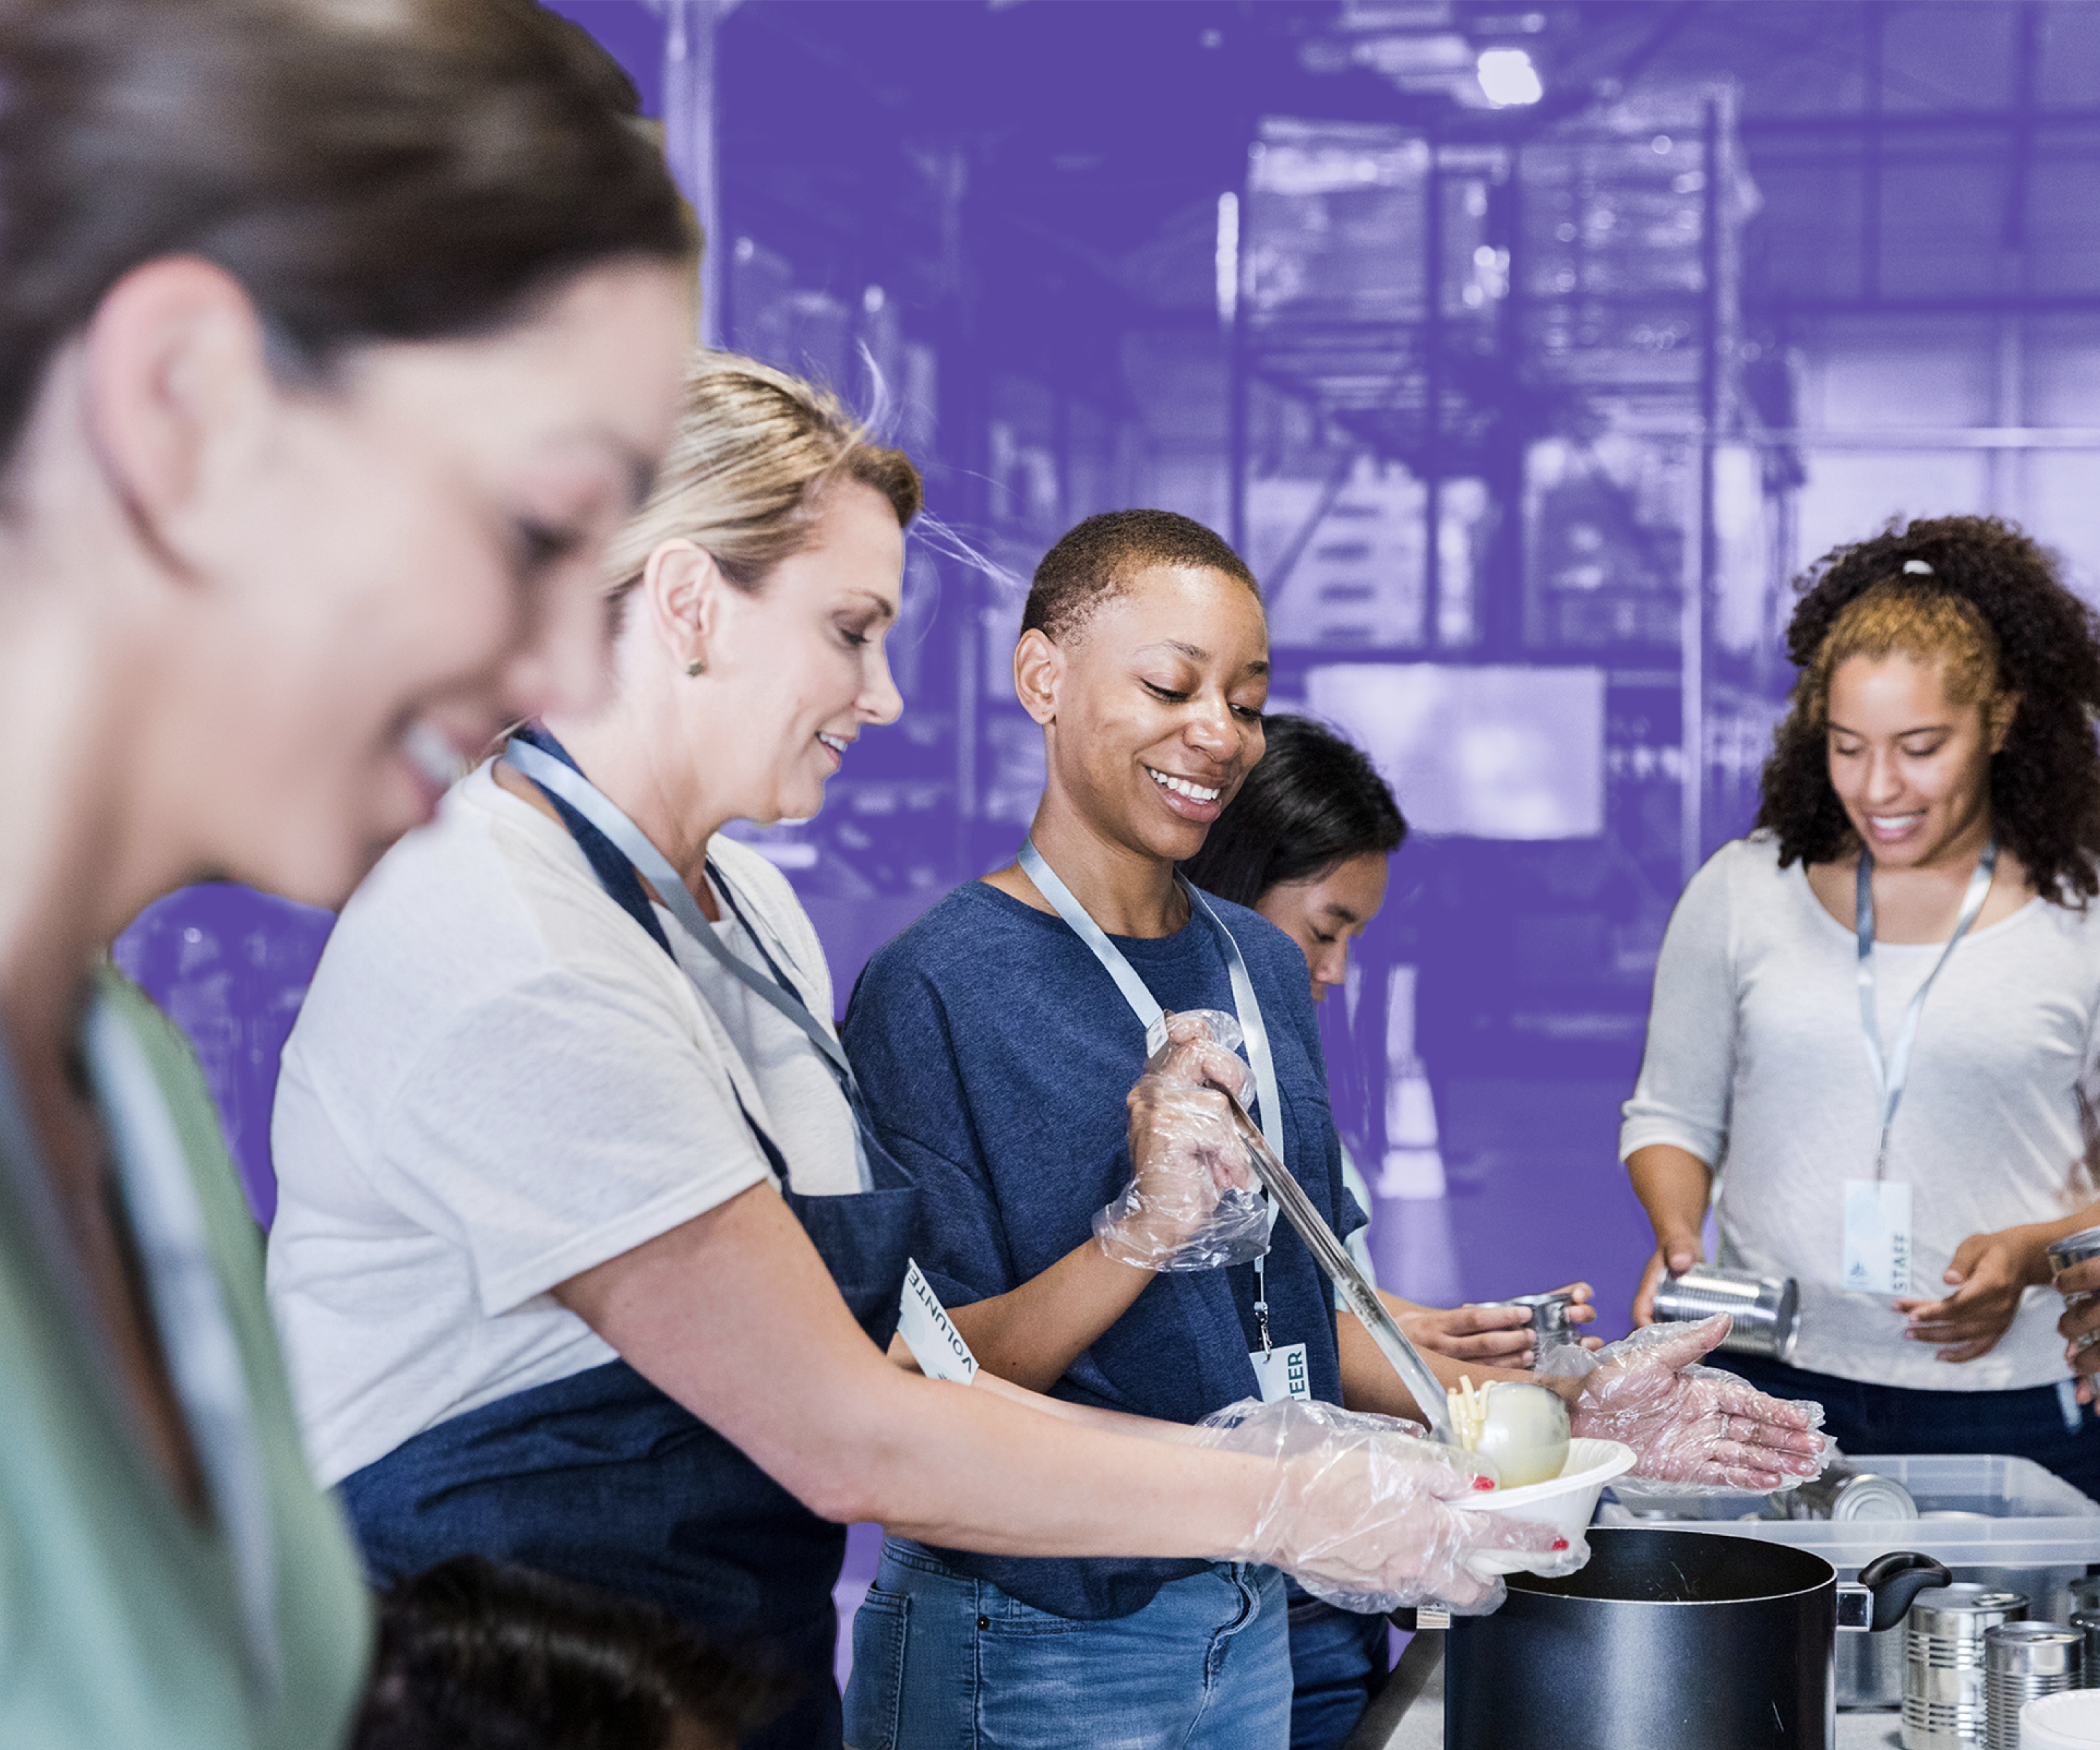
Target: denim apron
x=603 y=1479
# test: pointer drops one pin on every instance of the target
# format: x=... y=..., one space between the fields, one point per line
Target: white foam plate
x=1566 y=1502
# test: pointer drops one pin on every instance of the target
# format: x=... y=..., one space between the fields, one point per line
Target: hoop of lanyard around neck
x=1153 y=1018
x=595 y=806
x=197 y=1337
x=1892 y=1074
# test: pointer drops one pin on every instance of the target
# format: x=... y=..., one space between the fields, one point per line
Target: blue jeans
x=944 y=1662
x=1338 y=1660
x=2035 y=1422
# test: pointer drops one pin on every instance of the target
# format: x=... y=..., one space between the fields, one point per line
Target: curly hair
x=1978 y=592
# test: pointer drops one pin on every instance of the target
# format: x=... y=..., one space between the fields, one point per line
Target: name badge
x=1877 y=1245
x=929 y=1333
x=1280 y=1373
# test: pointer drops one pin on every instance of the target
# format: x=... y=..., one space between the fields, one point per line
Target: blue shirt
x=996 y=1053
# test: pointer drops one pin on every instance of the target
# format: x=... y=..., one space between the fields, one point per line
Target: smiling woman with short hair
x=996 y=1038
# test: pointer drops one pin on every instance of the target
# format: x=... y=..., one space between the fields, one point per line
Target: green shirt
x=120 y=1625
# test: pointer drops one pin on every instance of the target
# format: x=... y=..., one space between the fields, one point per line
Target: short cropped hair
x=1095 y=560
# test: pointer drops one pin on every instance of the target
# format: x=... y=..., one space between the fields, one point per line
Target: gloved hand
x=1696 y=1429
x=1192 y=1203
x=1357 y=1511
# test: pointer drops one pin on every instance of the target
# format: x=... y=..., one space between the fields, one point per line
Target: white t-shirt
x=1757 y=1065
x=497 y=1081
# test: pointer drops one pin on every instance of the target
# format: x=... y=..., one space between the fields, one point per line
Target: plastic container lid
x=2069 y=1720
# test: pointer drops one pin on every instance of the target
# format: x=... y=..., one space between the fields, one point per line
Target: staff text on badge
x=1876 y=1247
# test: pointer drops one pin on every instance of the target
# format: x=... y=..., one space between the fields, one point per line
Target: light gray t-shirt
x=1757 y=1064
x=498 y=1081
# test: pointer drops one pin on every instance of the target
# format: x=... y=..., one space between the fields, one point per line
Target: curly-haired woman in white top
x=1877 y=1018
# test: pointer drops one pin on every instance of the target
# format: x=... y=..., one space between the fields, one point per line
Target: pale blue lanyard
x=1153 y=1018
x=600 y=810
x=1892 y=1074
x=197 y=1334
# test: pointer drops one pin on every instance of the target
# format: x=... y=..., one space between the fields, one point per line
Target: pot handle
x=1895 y=1581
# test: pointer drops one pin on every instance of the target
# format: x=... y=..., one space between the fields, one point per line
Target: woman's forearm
x=1033 y=1335
x=1087 y=1415
x=733 y=1316
x=1370 y=1383
x=979 y=1469
x=1675 y=1187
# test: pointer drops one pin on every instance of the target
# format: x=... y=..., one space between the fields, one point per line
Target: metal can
x=2021 y=1661
x=1552 y=1326
x=1765 y=1311
x=1845 y=1492
x=2087 y=1623
x=1943 y=1695
x=2074 y=1248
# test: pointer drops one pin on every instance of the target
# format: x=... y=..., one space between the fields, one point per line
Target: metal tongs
x=1333 y=1257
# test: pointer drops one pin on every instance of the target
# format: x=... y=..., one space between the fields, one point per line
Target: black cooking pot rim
x=1644 y=1565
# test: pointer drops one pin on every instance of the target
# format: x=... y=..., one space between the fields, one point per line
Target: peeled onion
x=1522 y=1430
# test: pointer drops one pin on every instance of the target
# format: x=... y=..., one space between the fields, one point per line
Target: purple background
x=1575 y=386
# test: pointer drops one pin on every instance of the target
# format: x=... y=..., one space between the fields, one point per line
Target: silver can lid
x=2074 y=1248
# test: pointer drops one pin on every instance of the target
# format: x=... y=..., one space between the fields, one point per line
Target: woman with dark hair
x=1313 y=807
x=1307 y=843
x=336 y=340
x=1881 y=1010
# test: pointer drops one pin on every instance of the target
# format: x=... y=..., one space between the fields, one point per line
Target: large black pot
x=1669 y=1641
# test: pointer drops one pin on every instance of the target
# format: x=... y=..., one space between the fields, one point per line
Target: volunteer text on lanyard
x=1878 y=1211
x=1280 y=1373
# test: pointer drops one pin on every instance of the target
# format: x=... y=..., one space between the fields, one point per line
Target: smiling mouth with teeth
x=837 y=743
x=1182 y=788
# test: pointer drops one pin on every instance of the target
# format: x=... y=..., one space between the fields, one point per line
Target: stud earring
x=697 y=666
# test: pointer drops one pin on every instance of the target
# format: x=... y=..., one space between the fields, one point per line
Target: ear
x=683 y=587
x=2002 y=713
x=1038 y=668
x=176 y=378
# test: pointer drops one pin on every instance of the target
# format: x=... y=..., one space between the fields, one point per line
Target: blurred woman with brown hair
x=335 y=340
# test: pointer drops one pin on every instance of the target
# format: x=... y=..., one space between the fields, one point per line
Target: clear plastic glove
x=1357 y=1510
x=1192 y=1202
x=1696 y=1429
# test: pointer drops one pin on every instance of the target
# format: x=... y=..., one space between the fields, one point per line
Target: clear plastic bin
x=1999 y=1522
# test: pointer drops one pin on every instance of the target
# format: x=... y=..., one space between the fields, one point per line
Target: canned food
x=1844 y=1492
x=1765 y=1311
x=2021 y=1662
x=2074 y=1248
x=2087 y=1623
x=1552 y=1325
